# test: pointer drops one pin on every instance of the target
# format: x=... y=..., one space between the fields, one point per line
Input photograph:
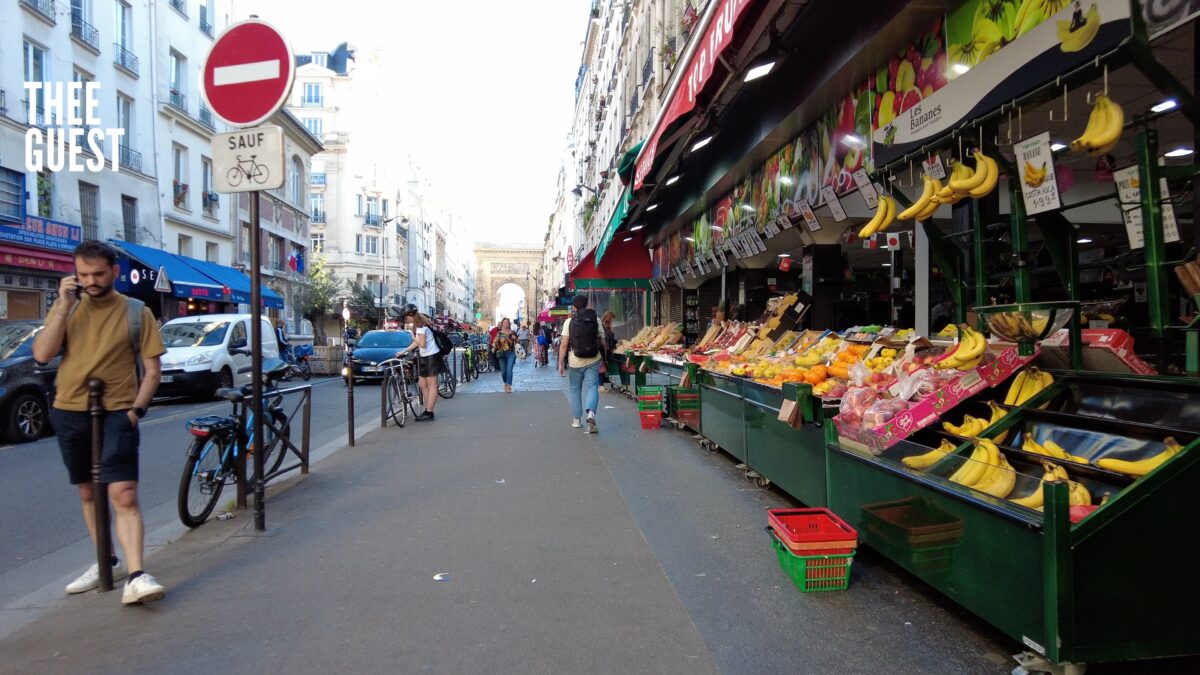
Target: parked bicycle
x=447 y=385
x=298 y=363
x=403 y=394
x=212 y=456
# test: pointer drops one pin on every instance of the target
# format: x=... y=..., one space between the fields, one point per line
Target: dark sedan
x=26 y=388
x=376 y=346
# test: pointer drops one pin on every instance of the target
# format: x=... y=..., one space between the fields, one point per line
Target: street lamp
x=578 y=191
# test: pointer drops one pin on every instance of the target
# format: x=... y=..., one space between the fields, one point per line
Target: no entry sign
x=248 y=73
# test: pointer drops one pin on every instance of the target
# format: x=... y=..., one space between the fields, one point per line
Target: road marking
x=246 y=72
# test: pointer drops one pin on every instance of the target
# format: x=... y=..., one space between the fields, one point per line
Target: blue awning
x=186 y=281
x=237 y=283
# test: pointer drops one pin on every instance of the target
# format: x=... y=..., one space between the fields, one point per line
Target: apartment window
x=314 y=125
x=185 y=245
x=89 y=215
x=37 y=67
x=45 y=194
x=178 y=91
x=124 y=25
x=276 y=252
x=180 y=185
x=372 y=245
x=358 y=243
x=208 y=196
x=211 y=252
x=206 y=18
x=373 y=207
x=296 y=180
x=82 y=23
x=12 y=193
x=320 y=59
x=312 y=94
x=125 y=120
x=129 y=217
x=318 y=242
x=316 y=203
x=385 y=209
x=358 y=204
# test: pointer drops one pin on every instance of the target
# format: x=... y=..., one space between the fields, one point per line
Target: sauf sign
x=251 y=159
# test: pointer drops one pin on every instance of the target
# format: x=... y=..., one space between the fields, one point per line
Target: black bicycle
x=212 y=456
x=403 y=392
x=446 y=381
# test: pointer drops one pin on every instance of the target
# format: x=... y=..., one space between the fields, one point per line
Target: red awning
x=717 y=37
x=36 y=259
x=624 y=260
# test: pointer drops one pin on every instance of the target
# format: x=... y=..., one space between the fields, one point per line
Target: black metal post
x=350 y=399
x=256 y=366
x=307 y=428
x=100 y=489
x=383 y=406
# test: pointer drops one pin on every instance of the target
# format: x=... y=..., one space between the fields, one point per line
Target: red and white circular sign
x=248 y=73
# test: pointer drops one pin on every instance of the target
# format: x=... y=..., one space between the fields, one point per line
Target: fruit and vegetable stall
x=1035 y=460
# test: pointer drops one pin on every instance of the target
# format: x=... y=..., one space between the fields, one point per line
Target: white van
x=203 y=353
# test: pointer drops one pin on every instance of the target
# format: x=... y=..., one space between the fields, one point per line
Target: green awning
x=628 y=163
x=618 y=217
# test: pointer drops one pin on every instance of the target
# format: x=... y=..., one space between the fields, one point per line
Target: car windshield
x=15 y=339
x=194 y=334
x=385 y=338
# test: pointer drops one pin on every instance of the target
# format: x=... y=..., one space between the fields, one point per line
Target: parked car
x=209 y=351
x=376 y=346
x=26 y=388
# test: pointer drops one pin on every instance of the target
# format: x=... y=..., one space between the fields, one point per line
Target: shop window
x=12 y=193
x=89 y=212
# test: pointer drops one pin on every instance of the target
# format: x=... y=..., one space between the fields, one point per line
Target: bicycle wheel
x=397 y=398
x=202 y=480
x=234 y=177
x=305 y=370
x=276 y=426
x=446 y=384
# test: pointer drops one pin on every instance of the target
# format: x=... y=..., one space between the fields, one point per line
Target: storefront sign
x=1129 y=194
x=835 y=206
x=1035 y=165
x=43 y=232
x=36 y=260
x=716 y=38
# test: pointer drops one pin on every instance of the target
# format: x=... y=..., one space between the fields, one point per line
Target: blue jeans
x=583 y=393
x=507 y=360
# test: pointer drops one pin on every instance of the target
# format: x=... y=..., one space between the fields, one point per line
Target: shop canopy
x=191 y=278
x=627 y=265
x=614 y=223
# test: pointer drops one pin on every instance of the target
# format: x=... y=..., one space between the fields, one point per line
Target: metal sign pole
x=256 y=365
x=99 y=488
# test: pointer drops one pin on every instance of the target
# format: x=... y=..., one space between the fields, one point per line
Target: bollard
x=383 y=402
x=99 y=489
x=350 y=400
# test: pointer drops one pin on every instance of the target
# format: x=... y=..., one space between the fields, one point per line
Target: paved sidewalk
x=629 y=551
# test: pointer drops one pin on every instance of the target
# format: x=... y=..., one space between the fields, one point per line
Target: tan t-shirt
x=97 y=345
x=572 y=360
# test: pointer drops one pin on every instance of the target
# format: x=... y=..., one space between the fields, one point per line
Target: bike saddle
x=234 y=394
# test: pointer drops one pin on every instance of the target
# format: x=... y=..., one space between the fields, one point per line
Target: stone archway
x=497 y=265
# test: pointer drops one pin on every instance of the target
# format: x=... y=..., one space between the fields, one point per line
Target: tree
x=362 y=302
x=318 y=298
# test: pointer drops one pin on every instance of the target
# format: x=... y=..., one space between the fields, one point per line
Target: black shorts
x=118 y=454
x=429 y=366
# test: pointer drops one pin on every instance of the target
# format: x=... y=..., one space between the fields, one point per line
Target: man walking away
x=581 y=352
x=94 y=327
x=523 y=338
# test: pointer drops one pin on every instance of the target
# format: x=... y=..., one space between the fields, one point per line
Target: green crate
x=653 y=390
x=814 y=573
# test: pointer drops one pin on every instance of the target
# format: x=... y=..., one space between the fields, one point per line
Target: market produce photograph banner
x=998 y=50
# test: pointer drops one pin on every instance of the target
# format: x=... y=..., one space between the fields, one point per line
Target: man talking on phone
x=96 y=330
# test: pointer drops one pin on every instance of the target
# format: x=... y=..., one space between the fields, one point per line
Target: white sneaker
x=145 y=588
x=591 y=421
x=575 y=423
x=90 y=580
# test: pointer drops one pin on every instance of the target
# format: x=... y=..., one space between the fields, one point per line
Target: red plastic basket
x=689 y=417
x=812 y=531
x=651 y=419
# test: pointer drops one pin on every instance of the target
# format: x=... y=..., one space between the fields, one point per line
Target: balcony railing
x=313 y=102
x=210 y=200
x=647 y=69
x=178 y=100
x=205 y=26
x=371 y=219
x=317 y=179
x=3 y=105
x=39 y=118
x=125 y=58
x=85 y=31
x=43 y=7
x=317 y=217
x=181 y=192
x=180 y=6
x=206 y=117
x=131 y=158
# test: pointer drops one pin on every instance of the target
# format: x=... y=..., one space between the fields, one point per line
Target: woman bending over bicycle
x=429 y=365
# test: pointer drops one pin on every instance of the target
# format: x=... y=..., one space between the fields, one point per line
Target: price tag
x=762 y=243
x=721 y=255
x=783 y=222
x=866 y=189
x=712 y=258
x=770 y=229
x=835 y=206
x=1130 y=197
x=691 y=270
x=700 y=263
x=970 y=380
x=809 y=217
x=678 y=276
x=1035 y=164
x=934 y=168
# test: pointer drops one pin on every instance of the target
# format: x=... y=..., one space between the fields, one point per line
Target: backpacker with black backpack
x=445 y=346
x=585 y=334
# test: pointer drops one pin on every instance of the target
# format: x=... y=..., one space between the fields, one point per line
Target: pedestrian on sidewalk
x=429 y=361
x=610 y=346
x=523 y=338
x=582 y=354
x=93 y=326
x=504 y=346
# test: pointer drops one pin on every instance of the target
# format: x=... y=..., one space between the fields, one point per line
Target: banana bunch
x=1145 y=466
x=997 y=414
x=971 y=426
x=928 y=459
x=926 y=204
x=1078 y=495
x=978 y=183
x=1026 y=385
x=885 y=214
x=1104 y=128
x=1034 y=177
x=1074 y=37
x=989 y=471
x=968 y=353
x=1050 y=449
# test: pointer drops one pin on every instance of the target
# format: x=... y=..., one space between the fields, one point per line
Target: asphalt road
x=41 y=513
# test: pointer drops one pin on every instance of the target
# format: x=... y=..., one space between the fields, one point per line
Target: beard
x=97 y=291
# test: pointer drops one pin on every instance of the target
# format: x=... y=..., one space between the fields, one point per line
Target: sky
x=483 y=98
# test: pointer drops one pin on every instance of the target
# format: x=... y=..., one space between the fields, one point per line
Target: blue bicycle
x=212 y=456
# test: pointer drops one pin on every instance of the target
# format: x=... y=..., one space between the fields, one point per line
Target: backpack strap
x=133 y=312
